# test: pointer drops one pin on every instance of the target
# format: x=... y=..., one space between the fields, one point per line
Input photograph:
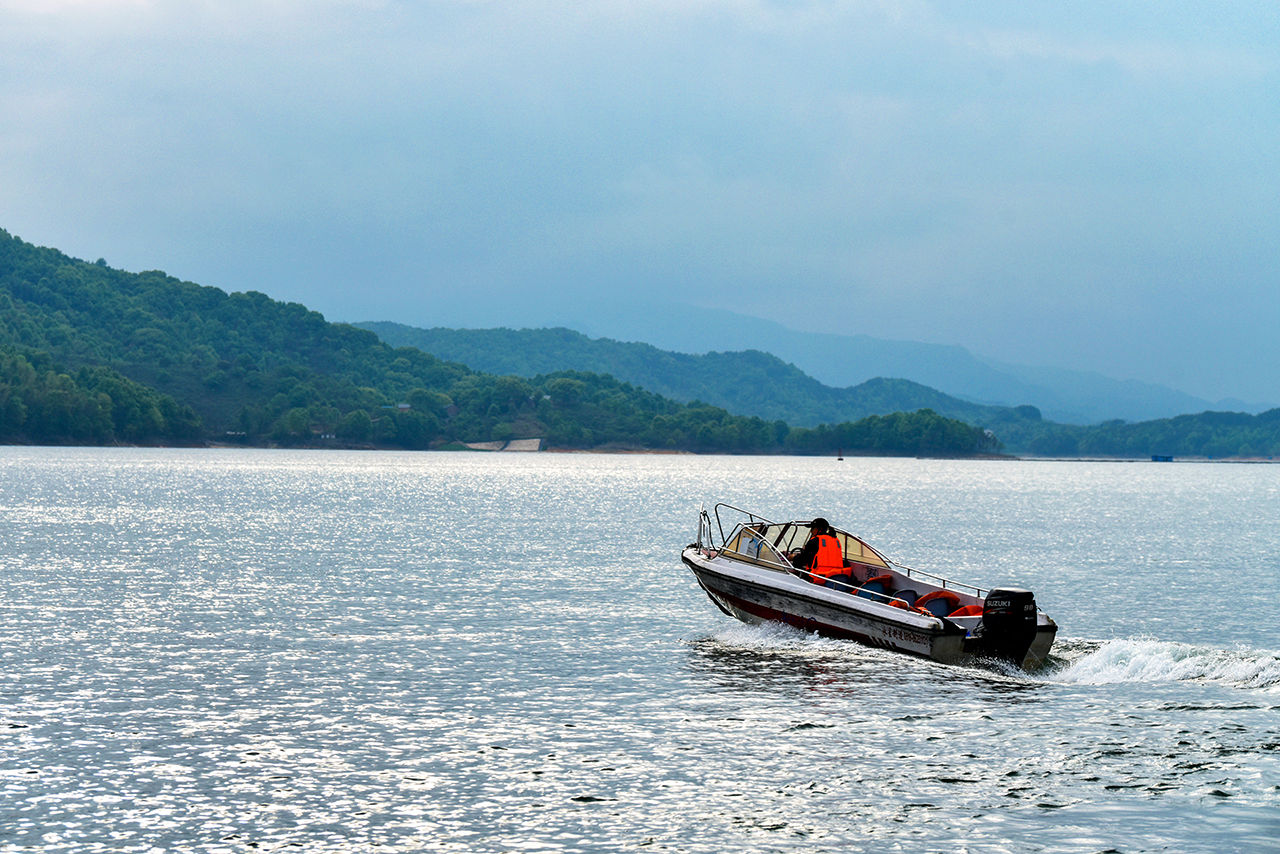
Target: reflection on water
x=232 y=651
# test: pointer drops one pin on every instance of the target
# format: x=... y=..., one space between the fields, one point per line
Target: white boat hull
x=756 y=594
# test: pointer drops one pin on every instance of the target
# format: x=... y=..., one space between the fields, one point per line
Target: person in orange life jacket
x=823 y=557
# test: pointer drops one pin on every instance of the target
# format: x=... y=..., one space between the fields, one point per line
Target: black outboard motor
x=1008 y=624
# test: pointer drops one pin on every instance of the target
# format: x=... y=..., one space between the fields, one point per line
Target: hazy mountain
x=759 y=384
x=1077 y=397
x=95 y=355
x=749 y=382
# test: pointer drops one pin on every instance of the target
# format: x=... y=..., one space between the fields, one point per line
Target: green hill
x=748 y=382
x=759 y=384
x=91 y=354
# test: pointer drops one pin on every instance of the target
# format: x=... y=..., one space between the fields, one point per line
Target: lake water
x=229 y=651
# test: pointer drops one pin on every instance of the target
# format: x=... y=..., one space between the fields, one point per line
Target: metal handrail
x=752 y=518
x=704 y=524
x=944 y=583
x=855 y=589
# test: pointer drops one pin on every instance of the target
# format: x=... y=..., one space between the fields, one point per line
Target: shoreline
x=622 y=451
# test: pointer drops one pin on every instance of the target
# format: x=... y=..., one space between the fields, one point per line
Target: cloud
x=1148 y=59
x=1020 y=181
x=60 y=8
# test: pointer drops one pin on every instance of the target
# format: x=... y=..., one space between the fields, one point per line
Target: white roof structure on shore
x=513 y=445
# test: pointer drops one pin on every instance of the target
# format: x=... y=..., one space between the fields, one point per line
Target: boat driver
x=823 y=557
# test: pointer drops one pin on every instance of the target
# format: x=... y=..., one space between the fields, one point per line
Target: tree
x=356 y=426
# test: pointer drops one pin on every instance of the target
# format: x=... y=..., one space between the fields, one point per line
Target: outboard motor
x=1008 y=624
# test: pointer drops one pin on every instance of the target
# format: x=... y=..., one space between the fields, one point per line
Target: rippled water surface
x=253 y=650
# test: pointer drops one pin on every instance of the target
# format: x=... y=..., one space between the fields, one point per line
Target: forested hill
x=756 y=383
x=91 y=354
x=748 y=382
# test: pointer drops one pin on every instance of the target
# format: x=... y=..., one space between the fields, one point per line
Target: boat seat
x=876 y=587
x=845 y=583
x=940 y=603
x=906 y=595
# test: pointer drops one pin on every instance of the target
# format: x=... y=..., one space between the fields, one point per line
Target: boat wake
x=1148 y=660
x=1076 y=662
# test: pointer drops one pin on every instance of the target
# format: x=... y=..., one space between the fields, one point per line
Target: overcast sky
x=1092 y=185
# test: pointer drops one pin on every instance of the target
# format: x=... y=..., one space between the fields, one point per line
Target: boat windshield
x=770 y=543
x=754 y=543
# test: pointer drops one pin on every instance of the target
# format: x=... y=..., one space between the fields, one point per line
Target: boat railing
x=938 y=580
x=854 y=589
x=704 y=540
x=752 y=518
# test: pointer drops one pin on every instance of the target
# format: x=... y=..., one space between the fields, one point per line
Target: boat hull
x=755 y=595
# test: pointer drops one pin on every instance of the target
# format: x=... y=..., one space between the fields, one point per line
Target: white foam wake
x=1082 y=662
x=1146 y=660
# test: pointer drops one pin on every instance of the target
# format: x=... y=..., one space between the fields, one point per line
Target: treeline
x=98 y=355
x=1207 y=434
x=922 y=433
x=95 y=405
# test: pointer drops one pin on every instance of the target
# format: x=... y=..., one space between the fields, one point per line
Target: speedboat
x=749 y=575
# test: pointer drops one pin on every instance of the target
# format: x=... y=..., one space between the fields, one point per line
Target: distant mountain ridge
x=749 y=382
x=94 y=355
x=758 y=384
x=841 y=360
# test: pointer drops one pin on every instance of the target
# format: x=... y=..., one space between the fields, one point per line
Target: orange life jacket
x=829 y=559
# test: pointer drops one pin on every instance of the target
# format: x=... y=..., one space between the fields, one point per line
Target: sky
x=1092 y=185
